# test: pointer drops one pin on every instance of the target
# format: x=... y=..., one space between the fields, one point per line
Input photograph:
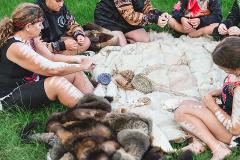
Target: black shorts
x=30 y=96
x=113 y=22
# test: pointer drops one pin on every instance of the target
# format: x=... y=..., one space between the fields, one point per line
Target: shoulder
x=19 y=49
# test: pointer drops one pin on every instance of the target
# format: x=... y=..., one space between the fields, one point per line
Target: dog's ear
x=110 y=99
x=27 y=130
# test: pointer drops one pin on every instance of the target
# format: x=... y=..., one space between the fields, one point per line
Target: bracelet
x=77 y=33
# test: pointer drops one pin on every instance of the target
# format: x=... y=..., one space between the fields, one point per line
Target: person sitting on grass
x=196 y=17
x=215 y=123
x=127 y=18
x=61 y=32
x=229 y=27
x=24 y=58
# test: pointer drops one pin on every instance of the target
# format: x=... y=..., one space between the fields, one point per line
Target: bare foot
x=220 y=152
x=196 y=146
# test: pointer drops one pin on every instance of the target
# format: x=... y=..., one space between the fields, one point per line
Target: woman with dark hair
x=126 y=18
x=23 y=58
x=214 y=123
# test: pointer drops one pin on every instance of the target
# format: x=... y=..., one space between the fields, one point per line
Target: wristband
x=77 y=33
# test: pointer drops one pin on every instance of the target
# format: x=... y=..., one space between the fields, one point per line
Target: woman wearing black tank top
x=23 y=58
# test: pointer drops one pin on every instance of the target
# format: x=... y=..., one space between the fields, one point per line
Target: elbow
x=235 y=131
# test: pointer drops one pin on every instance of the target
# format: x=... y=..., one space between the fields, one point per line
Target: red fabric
x=193 y=9
x=33 y=78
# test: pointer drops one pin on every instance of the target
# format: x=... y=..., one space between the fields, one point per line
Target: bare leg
x=199 y=111
x=199 y=121
x=208 y=30
x=121 y=38
x=138 y=35
x=80 y=48
x=60 y=88
x=177 y=26
x=81 y=82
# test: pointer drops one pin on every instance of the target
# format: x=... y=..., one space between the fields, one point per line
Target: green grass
x=11 y=147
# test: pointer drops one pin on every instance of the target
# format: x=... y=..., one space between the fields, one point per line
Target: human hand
x=215 y=93
x=209 y=101
x=234 y=31
x=163 y=19
x=87 y=63
x=194 y=22
x=186 y=24
x=70 y=44
x=80 y=39
x=222 y=29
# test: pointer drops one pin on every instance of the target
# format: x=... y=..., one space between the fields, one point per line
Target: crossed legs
x=201 y=122
x=138 y=35
x=207 y=30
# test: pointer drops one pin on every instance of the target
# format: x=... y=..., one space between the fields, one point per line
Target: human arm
x=126 y=10
x=231 y=123
x=233 y=17
x=215 y=15
x=74 y=29
x=43 y=50
x=27 y=58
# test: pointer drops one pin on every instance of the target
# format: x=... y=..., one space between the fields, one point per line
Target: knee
x=54 y=82
x=180 y=111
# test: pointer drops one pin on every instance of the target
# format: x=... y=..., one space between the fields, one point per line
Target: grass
x=11 y=147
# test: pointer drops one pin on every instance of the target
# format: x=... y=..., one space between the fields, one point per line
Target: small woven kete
x=123 y=79
x=127 y=74
x=141 y=83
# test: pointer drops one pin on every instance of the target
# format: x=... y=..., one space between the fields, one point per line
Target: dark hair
x=227 y=53
x=24 y=14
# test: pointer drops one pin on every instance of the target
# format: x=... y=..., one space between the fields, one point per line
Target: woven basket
x=141 y=83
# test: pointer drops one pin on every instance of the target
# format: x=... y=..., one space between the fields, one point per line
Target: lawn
x=11 y=147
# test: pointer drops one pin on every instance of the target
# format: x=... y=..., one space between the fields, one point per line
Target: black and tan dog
x=100 y=37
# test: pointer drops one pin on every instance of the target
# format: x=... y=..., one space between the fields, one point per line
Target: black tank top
x=11 y=74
